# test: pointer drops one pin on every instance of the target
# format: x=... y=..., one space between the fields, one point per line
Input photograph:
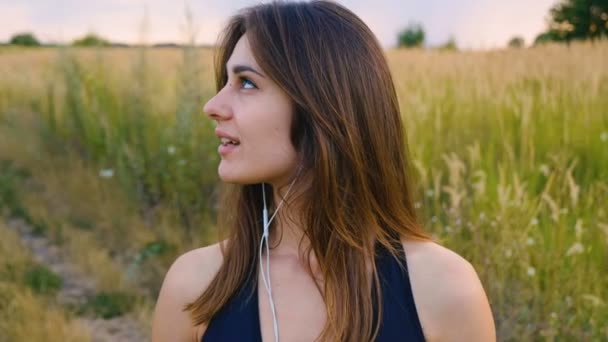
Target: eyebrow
x=240 y=68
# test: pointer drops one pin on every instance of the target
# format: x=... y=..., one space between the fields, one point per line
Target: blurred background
x=108 y=167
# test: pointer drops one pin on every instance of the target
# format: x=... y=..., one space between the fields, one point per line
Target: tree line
x=29 y=39
x=568 y=20
x=90 y=39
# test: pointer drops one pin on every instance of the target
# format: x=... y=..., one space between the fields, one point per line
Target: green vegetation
x=577 y=20
x=28 y=311
x=516 y=42
x=108 y=305
x=449 y=45
x=411 y=36
x=510 y=150
x=91 y=39
x=42 y=280
x=24 y=39
x=10 y=178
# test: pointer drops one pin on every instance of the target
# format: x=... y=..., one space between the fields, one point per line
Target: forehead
x=242 y=54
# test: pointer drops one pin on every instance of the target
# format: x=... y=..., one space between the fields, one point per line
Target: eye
x=244 y=81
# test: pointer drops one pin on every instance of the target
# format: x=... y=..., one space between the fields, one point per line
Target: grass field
x=27 y=309
x=510 y=150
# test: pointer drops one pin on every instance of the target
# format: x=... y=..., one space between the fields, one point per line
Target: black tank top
x=239 y=319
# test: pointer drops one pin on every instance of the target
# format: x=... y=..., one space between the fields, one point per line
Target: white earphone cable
x=266 y=276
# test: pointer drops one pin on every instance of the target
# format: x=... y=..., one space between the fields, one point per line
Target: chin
x=232 y=173
x=230 y=178
x=234 y=180
x=228 y=175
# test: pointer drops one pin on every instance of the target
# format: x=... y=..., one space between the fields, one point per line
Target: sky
x=474 y=24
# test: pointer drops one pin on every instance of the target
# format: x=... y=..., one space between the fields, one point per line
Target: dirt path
x=77 y=288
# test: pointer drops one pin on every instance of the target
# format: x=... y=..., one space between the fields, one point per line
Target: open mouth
x=226 y=142
x=227 y=146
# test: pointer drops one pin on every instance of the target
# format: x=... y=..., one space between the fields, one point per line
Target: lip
x=224 y=150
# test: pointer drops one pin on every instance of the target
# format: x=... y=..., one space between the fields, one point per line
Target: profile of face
x=256 y=113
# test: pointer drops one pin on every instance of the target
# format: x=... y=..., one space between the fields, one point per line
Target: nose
x=218 y=108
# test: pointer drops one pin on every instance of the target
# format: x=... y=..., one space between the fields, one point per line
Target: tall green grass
x=510 y=153
x=159 y=150
x=511 y=150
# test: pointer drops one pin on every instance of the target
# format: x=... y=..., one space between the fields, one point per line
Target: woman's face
x=255 y=112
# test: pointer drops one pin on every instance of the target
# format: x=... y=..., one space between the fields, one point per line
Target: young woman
x=309 y=125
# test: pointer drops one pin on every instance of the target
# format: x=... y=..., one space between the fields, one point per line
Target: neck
x=287 y=238
x=288 y=227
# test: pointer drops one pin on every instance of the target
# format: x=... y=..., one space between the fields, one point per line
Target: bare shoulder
x=449 y=296
x=186 y=279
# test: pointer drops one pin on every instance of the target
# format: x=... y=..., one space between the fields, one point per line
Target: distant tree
x=166 y=45
x=24 y=39
x=517 y=42
x=91 y=39
x=577 y=19
x=547 y=37
x=411 y=36
x=449 y=45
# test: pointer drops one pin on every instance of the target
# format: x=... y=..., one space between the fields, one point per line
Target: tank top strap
x=400 y=320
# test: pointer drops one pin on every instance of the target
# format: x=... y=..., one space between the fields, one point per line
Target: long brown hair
x=349 y=135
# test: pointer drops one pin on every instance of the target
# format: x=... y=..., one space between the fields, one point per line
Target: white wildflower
x=604 y=136
x=534 y=221
x=171 y=149
x=531 y=271
x=576 y=248
x=530 y=241
x=430 y=193
x=482 y=216
x=106 y=173
x=417 y=205
x=448 y=229
x=544 y=169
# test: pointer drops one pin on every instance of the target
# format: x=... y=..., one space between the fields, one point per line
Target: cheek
x=268 y=121
x=266 y=153
x=270 y=144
